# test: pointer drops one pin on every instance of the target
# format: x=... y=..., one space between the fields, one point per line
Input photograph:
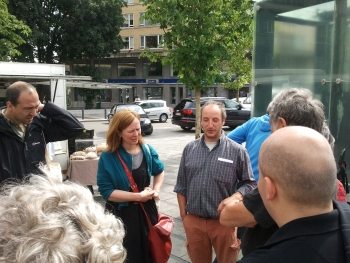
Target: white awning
x=95 y=85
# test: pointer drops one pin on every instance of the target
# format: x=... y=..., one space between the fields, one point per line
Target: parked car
x=146 y=125
x=185 y=112
x=246 y=102
x=156 y=110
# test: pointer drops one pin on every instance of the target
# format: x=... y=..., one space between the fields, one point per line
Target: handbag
x=159 y=239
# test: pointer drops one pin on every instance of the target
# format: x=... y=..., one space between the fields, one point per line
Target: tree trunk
x=197 y=90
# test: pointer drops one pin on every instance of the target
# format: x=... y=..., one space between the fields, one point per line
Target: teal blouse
x=111 y=175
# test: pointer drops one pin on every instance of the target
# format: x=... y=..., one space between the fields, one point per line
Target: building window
x=129 y=2
x=128 y=42
x=126 y=69
x=153 y=92
x=128 y=20
x=153 y=69
x=152 y=41
x=143 y=20
x=173 y=95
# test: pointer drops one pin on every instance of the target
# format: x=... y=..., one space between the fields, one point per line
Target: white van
x=156 y=110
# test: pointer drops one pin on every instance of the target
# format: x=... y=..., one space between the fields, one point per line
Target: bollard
x=82 y=113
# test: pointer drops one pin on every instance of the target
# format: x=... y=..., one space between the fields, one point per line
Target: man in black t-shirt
x=289 y=107
x=297 y=188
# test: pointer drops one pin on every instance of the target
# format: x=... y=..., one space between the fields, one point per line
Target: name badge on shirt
x=225 y=160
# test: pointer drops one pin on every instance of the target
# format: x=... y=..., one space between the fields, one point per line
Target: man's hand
x=40 y=107
x=235 y=198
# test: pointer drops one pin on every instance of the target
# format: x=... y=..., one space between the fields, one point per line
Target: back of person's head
x=120 y=121
x=43 y=220
x=297 y=107
x=301 y=162
x=15 y=89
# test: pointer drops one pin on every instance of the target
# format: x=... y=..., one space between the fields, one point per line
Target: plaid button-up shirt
x=207 y=177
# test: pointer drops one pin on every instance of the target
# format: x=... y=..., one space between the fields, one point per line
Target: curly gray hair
x=43 y=220
x=297 y=107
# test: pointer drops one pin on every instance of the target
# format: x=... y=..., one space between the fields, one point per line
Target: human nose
x=33 y=111
x=210 y=123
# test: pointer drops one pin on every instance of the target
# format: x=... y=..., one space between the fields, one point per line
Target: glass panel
x=173 y=95
x=151 y=41
x=302 y=43
x=128 y=42
x=131 y=42
x=142 y=41
x=153 y=69
x=126 y=20
x=153 y=92
x=340 y=93
x=293 y=49
x=131 y=20
x=125 y=42
x=143 y=20
x=126 y=69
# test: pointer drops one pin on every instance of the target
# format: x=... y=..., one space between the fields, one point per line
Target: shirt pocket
x=224 y=171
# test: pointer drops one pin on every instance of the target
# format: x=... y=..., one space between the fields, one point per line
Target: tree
x=12 y=32
x=66 y=30
x=199 y=36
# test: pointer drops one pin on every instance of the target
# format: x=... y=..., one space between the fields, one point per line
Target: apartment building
x=146 y=80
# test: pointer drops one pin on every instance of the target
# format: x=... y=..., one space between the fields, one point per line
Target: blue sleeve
x=239 y=134
x=157 y=164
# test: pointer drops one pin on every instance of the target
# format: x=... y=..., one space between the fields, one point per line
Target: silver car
x=156 y=110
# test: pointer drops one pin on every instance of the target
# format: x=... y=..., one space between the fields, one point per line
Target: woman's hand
x=146 y=194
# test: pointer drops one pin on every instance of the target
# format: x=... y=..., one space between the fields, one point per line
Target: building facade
x=146 y=80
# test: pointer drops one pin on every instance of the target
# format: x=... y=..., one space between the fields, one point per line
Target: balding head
x=22 y=102
x=300 y=161
x=14 y=91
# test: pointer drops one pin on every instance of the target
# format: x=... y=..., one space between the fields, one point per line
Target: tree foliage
x=202 y=37
x=12 y=32
x=65 y=30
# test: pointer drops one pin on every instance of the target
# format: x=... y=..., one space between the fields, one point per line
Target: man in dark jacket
x=26 y=126
x=297 y=184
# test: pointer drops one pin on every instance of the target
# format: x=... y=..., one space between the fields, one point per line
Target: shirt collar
x=222 y=136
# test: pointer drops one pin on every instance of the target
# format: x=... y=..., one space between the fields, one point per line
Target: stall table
x=83 y=171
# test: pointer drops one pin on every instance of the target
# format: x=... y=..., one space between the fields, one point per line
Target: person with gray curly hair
x=43 y=220
x=296 y=107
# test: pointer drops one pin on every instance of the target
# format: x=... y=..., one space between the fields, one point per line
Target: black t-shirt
x=266 y=226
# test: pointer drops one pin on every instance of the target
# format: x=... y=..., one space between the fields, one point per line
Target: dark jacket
x=322 y=238
x=19 y=157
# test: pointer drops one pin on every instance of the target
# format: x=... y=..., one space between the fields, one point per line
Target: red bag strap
x=133 y=185
x=127 y=171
